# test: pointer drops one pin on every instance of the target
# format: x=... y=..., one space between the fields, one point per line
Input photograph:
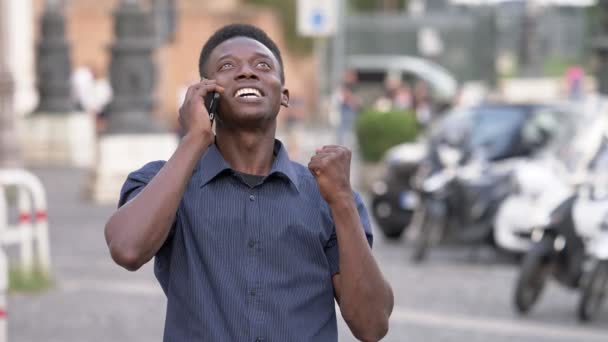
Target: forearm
x=366 y=299
x=138 y=229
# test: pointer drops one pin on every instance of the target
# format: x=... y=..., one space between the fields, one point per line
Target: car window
x=453 y=127
x=496 y=124
x=540 y=128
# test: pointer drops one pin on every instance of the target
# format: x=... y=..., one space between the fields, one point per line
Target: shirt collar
x=213 y=163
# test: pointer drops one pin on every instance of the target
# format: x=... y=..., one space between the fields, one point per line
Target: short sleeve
x=331 y=248
x=137 y=181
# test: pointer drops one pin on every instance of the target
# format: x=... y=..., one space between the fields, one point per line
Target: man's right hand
x=193 y=116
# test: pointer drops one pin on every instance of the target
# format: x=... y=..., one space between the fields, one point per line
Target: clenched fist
x=331 y=167
x=193 y=116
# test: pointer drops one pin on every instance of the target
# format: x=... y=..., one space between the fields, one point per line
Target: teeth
x=251 y=92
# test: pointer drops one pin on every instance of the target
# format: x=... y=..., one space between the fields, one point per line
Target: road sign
x=317 y=18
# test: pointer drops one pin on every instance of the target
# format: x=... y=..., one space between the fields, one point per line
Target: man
x=349 y=107
x=248 y=245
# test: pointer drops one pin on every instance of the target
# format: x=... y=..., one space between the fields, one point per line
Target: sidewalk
x=93 y=299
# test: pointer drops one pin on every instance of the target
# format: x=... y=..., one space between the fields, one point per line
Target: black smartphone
x=212 y=100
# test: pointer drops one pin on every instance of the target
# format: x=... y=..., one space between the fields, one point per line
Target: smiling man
x=248 y=245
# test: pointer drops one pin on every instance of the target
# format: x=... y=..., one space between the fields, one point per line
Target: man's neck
x=249 y=152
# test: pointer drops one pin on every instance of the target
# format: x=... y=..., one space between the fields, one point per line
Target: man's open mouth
x=248 y=93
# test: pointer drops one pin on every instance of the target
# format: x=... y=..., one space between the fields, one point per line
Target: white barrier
x=31 y=231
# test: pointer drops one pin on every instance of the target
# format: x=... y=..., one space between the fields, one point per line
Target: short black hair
x=238 y=30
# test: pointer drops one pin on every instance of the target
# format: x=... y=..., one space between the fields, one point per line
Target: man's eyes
x=226 y=66
x=230 y=65
x=264 y=65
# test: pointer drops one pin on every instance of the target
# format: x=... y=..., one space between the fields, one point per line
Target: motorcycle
x=573 y=245
x=457 y=203
x=541 y=182
x=539 y=187
x=572 y=248
x=498 y=126
x=393 y=199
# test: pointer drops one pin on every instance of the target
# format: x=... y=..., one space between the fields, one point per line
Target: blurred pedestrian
x=575 y=82
x=295 y=115
x=82 y=83
x=403 y=99
x=349 y=104
x=100 y=99
x=93 y=93
x=422 y=103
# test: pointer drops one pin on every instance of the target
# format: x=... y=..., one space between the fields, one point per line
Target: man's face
x=251 y=76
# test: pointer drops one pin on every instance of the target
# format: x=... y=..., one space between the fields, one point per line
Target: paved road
x=450 y=298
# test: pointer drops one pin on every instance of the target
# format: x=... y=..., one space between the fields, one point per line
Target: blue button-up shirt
x=248 y=264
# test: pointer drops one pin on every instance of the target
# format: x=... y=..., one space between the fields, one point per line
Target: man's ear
x=285 y=98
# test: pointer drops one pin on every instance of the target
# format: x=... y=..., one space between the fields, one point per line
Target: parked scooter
x=462 y=187
x=573 y=245
x=573 y=249
x=500 y=127
x=542 y=183
x=457 y=202
x=539 y=187
x=591 y=216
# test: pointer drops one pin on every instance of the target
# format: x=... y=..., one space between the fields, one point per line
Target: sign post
x=318 y=19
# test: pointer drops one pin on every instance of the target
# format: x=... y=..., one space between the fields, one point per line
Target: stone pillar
x=133 y=72
x=56 y=134
x=9 y=156
x=53 y=65
x=133 y=138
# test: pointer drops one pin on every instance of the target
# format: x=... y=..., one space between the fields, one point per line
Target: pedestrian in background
x=349 y=104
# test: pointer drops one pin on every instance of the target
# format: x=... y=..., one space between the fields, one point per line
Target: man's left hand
x=331 y=167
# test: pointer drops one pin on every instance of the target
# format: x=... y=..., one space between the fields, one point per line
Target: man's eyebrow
x=256 y=54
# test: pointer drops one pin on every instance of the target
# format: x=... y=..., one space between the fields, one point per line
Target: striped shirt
x=248 y=263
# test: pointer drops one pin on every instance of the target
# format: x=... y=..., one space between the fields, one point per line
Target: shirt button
x=251 y=243
x=259 y=339
x=251 y=198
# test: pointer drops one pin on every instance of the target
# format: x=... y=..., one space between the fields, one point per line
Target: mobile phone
x=212 y=100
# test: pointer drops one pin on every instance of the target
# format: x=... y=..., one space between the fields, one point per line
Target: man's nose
x=246 y=72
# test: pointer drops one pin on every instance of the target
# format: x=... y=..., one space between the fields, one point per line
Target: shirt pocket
x=214 y=219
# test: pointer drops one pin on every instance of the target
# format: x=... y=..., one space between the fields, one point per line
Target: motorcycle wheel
x=392 y=225
x=419 y=226
x=594 y=292
x=430 y=228
x=535 y=268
